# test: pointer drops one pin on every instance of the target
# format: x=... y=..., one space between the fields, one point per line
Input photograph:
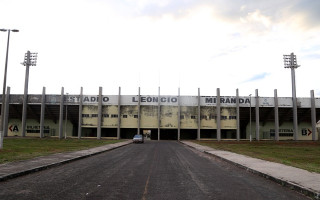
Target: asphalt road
x=153 y=170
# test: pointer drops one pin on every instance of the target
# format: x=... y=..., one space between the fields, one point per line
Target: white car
x=138 y=139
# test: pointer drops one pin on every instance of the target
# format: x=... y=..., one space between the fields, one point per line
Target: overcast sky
x=190 y=44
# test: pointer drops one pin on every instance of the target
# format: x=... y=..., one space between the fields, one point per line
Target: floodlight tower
x=290 y=61
x=30 y=59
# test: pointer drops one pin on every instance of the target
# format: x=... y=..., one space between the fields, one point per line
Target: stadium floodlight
x=4 y=86
x=30 y=59
x=290 y=61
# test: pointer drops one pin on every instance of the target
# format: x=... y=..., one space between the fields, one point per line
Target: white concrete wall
x=304 y=131
x=33 y=128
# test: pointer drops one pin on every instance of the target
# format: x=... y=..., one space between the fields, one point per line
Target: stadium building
x=162 y=117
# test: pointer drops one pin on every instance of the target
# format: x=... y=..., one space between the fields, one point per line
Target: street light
x=290 y=61
x=250 y=118
x=4 y=87
x=30 y=59
x=65 y=131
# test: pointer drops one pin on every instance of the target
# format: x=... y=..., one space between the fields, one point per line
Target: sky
x=171 y=44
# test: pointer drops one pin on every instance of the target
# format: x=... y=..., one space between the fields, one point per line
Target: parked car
x=138 y=139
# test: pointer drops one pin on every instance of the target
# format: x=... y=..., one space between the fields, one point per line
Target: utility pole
x=4 y=87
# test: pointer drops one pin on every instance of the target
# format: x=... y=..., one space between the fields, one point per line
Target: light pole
x=250 y=118
x=65 y=130
x=30 y=59
x=4 y=87
x=290 y=61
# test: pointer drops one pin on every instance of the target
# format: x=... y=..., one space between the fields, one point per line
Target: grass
x=304 y=155
x=300 y=154
x=15 y=149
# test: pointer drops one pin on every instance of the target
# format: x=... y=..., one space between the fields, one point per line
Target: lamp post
x=4 y=87
x=65 y=130
x=30 y=59
x=290 y=61
x=250 y=118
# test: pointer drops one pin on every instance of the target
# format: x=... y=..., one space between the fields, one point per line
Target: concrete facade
x=164 y=117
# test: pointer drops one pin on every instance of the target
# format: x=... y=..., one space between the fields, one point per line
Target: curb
x=305 y=191
x=48 y=166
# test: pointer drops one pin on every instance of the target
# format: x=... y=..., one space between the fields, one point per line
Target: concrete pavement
x=154 y=170
x=300 y=180
x=15 y=169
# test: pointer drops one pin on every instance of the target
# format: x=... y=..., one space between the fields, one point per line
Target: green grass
x=304 y=155
x=15 y=149
x=300 y=154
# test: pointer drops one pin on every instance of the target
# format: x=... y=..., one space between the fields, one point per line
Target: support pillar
x=276 y=116
x=199 y=117
x=139 y=117
x=179 y=115
x=61 y=113
x=159 y=113
x=99 y=114
x=119 y=114
x=6 y=113
x=43 y=108
x=80 y=113
x=313 y=116
x=218 y=110
x=238 y=115
x=257 y=116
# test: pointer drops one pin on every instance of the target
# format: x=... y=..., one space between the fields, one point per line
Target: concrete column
x=6 y=113
x=179 y=115
x=250 y=129
x=119 y=114
x=276 y=116
x=66 y=117
x=159 y=113
x=294 y=101
x=139 y=117
x=61 y=113
x=25 y=97
x=99 y=114
x=238 y=115
x=257 y=116
x=43 y=108
x=199 y=116
x=80 y=113
x=313 y=116
x=218 y=110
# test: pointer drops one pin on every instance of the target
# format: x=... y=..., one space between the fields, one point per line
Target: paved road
x=154 y=170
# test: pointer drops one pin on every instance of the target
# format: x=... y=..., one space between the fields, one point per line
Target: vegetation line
x=300 y=154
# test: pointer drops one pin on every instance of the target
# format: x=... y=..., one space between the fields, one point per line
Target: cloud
x=158 y=8
x=309 y=11
x=257 y=77
x=205 y=42
x=304 y=12
x=313 y=56
x=228 y=51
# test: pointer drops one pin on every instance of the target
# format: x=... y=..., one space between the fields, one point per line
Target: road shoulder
x=300 y=180
x=19 y=168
